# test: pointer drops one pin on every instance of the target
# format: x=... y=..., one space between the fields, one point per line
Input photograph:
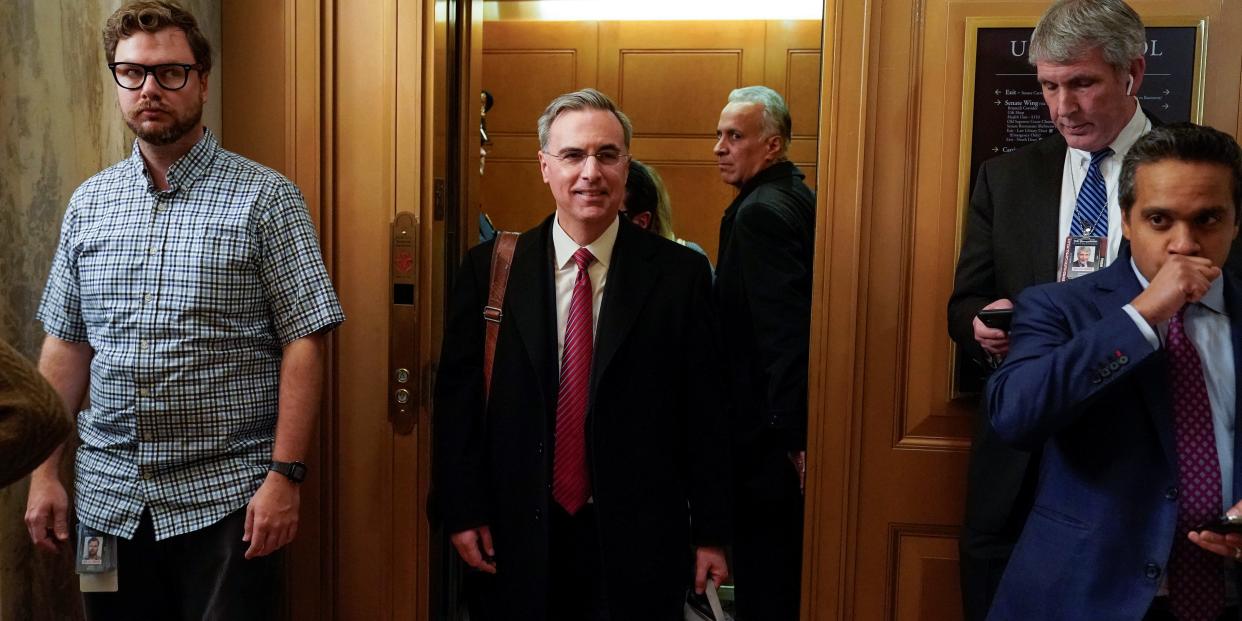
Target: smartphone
x=997 y=318
x=1225 y=525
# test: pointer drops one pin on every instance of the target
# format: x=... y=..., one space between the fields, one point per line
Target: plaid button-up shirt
x=187 y=297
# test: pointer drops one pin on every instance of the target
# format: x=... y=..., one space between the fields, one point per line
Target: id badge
x=1083 y=255
x=96 y=553
x=96 y=561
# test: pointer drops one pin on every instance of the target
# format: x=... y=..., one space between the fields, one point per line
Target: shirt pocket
x=223 y=278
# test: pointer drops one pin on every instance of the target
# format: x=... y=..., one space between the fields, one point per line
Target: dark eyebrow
x=1214 y=210
x=602 y=149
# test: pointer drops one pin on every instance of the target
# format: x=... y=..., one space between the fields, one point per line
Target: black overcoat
x=763 y=292
x=657 y=440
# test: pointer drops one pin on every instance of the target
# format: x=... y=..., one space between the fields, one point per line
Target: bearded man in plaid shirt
x=189 y=296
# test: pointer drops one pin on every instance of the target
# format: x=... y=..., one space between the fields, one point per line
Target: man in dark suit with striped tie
x=1088 y=57
x=592 y=482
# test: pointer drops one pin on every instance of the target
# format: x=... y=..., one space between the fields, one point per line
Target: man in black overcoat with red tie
x=592 y=483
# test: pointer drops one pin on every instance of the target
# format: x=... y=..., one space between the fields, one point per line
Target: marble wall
x=59 y=124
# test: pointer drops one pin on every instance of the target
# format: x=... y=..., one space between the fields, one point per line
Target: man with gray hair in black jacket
x=763 y=291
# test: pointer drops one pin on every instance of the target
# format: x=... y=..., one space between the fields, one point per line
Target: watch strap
x=294 y=470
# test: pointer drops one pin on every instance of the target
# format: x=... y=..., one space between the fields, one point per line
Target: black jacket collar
x=775 y=172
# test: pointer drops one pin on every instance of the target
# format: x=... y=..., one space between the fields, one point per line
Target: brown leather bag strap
x=502 y=258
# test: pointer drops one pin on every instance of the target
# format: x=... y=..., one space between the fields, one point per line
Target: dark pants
x=767 y=546
x=198 y=575
x=1000 y=491
x=577 y=590
x=982 y=558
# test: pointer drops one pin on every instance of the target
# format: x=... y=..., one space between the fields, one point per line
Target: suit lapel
x=1046 y=172
x=630 y=279
x=1115 y=290
x=530 y=303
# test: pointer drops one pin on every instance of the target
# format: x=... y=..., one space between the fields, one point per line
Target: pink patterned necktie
x=571 y=486
x=1196 y=582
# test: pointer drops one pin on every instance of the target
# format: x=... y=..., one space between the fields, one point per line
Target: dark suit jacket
x=1098 y=538
x=1009 y=245
x=763 y=288
x=658 y=444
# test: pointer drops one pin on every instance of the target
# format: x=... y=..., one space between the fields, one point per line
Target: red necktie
x=1196 y=584
x=571 y=486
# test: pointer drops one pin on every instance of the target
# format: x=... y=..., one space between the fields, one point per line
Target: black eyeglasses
x=170 y=76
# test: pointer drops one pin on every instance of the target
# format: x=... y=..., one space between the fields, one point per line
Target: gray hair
x=776 y=119
x=585 y=99
x=1070 y=28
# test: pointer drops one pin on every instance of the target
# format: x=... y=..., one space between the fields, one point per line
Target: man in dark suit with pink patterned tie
x=592 y=483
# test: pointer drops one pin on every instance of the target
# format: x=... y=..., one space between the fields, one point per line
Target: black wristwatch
x=295 y=470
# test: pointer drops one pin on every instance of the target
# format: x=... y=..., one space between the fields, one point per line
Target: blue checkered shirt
x=187 y=297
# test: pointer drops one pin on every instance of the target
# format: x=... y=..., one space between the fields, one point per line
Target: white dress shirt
x=566 y=273
x=1074 y=172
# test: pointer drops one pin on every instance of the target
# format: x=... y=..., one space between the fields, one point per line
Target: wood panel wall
x=670 y=77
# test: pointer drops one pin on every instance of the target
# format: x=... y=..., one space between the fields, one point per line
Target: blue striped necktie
x=1091 y=210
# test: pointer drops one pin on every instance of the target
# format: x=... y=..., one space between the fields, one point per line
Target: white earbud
x=1129 y=84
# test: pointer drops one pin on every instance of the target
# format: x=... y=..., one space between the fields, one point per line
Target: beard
x=164 y=134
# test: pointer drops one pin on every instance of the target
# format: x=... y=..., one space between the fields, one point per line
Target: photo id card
x=96 y=551
x=1082 y=256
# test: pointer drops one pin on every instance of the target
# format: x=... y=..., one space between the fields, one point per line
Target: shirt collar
x=565 y=246
x=1214 y=299
x=184 y=171
x=1124 y=140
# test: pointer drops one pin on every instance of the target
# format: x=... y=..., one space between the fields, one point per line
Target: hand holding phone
x=994 y=341
x=1224 y=525
x=996 y=318
x=1221 y=536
